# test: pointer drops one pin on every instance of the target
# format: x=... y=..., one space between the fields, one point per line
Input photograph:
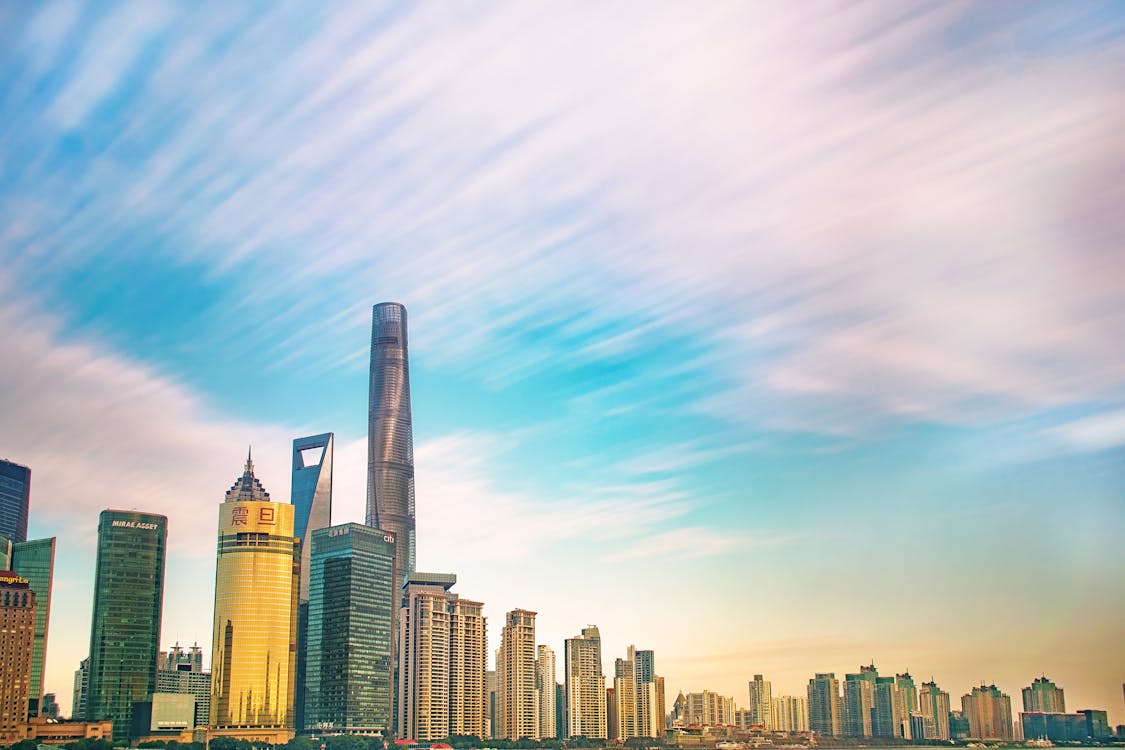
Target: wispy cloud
x=928 y=227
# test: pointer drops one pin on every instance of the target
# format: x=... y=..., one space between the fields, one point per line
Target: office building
x=311 y=495
x=790 y=713
x=859 y=702
x=390 y=436
x=1043 y=696
x=518 y=700
x=81 y=688
x=638 y=696
x=163 y=716
x=585 y=685
x=707 y=709
x=125 y=629
x=349 y=672
x=933 y=705
x=492 y=686
x=890 y=717
x=545 y=686
x=254 y=637
x=560 y=710
x=15 y=497
x=180 y=672
x=17 y=642
x=621 y=709
x=1056 y=727
x=761 y=703
x=35 y=561
x=650 y=695
x=49 y=708
x=825 y=704
x=989 y=713
x=424 y=657
x=468 y=660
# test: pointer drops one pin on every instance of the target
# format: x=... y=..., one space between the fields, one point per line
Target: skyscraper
x=650 y=695
x=545 y=686
x=933 y=704
x=311 y=495
x=790 y=713
x=35 y=561
x=443 y=652
x=15 y=496
x=989 y=713
x=825 y=706
x=1044 y=696
x=890 y=716
x=125 y=631
x=254 y=638
x=761 y=702
x=859 y=701
x=81 y=690
x=17 y=637
x=585 y=685
x=352 y=602
x=180 y=671
x=468 y=659
x=390 y=438
x=621 y=711
x=515 y=665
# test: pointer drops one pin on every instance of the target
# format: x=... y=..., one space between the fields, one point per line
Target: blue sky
x=774 y=338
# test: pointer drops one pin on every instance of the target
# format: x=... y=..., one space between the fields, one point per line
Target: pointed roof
x=247 y=487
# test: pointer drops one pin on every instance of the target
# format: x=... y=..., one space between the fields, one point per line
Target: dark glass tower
x=35 y=561
x=352 y=587
x=125 y=632
x=390 y=439
x=311 y=494
x=15 y=495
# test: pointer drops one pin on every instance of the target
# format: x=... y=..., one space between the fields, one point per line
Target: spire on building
x=247 y=487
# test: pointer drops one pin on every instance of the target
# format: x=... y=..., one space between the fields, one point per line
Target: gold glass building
x=256 y=587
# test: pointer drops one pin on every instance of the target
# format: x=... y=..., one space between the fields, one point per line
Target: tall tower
x=35 y=561
x=585 y=685
x=15 y=496
x=515 y=665
x=311 y=495
x=17 y=632
x=545 y=686
x=254 y=639
x=859 y=701
x=933 y=704
x=125 y=631
x=825 y=706
x=761 y=702
x=1044 y=696
x=390 y=438
x=352 y=601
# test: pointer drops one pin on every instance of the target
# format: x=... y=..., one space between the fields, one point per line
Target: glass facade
x=311 y=494
x=352 y=604
x=35 y=561
x=15 y=495
x=254 y=646
x=390 y=438
x=125 y=632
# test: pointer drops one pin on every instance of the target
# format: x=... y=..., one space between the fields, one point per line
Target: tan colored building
x=585 y=686
x=468 y=663
x=545 y=687
x=423 y=702
x=17 y=644
x=256 y=589
x=46 y=732
x=709 y=709
x=989 y=713
x=517 y=699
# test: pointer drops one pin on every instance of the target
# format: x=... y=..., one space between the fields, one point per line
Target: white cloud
x=1096 y=432
x=923 y=228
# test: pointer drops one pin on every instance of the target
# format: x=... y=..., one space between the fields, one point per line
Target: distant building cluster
x=323 y=629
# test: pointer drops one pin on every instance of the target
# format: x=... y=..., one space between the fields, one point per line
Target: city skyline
x=834 y=352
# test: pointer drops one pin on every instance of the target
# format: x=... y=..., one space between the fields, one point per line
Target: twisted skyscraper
x=390 y=439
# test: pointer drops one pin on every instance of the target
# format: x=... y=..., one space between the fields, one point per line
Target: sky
x=774 y=337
